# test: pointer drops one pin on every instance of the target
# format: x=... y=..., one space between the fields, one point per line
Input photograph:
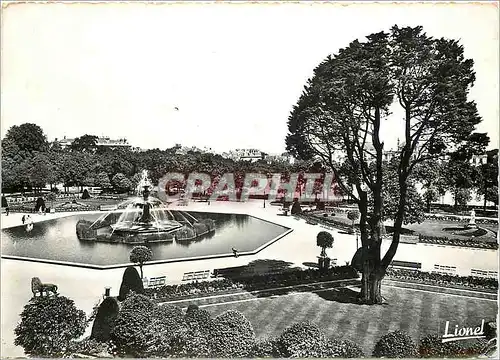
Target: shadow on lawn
x=340 y=295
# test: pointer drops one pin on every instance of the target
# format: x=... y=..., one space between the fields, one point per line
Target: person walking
x=23 y=219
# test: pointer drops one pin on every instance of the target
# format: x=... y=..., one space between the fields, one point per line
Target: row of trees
x=461 y=178
x=29 y=161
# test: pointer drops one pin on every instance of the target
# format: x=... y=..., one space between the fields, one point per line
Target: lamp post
x=264 y=198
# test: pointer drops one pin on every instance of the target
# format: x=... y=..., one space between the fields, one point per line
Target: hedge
x=250 y=283
x=443 y=279
x=444 y=240
x=396 y=344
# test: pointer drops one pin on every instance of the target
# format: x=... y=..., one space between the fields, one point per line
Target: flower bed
x=317 y=218
x=249 y=283
x=470 y=282
x=444 y=240
x=456 y=218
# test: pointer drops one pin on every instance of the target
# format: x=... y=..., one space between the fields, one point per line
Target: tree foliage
x=47 y=326
x=324 y=240
x=85 y=143
x=340 y=113
x=140 y=255
x=121 y=182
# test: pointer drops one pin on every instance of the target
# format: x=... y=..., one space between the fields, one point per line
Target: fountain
x=144 y=219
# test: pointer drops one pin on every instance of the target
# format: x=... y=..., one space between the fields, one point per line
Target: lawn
x=419 y=313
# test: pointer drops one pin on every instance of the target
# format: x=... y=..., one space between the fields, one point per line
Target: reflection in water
x=56 y=240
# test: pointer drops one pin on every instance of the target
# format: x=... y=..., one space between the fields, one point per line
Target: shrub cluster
x=459 y=219
x=431 y=346
x=131 y=282
x=443 y=279
x=305 y=339
x=444 y=240
x=231 y=335
x=48 y=325
x=395 y=344
x=326 y=221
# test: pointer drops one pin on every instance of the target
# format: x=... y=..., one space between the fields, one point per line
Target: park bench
x=444 y=269
x=155 y=281
x=408 y=265
x=108 y=207
x=196 y=275
x=484 y=273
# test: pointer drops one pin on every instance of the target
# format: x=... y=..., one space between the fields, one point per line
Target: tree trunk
x=484 y=203
x=371 y=282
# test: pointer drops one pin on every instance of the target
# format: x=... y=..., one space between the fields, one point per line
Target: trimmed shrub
x=296 y=209
x=48 y=324
x=89 y=347
x=343 y=349
x=490 y=330
x=167 y=323
x=190 y=343
x=267 y=348
x=353 y=215
x=131 y=282
x=324 y=240
x=129 y=332
x=302 y=339
x=231 y=335
x=40 y=204
x=85 y=194
x=320 y=205
x=396 y=344
x=139 y=255
x=105 y=317
x=197 y=319
x=432 y=347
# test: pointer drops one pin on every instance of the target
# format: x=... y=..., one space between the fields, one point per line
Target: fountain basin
x=55 y=241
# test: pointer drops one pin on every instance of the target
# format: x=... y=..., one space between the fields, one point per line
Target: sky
x=223 y=76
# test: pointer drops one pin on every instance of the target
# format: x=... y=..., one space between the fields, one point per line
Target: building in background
x=104 y=141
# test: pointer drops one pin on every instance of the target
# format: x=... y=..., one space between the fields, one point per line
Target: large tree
x=85 y=143
x=487 y=182
x=339 y=117
x=26 y=137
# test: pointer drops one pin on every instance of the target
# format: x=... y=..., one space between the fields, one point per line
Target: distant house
x=104 y=141
x=245 y=155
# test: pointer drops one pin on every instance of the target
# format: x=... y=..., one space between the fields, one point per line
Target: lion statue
x=37 y=287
